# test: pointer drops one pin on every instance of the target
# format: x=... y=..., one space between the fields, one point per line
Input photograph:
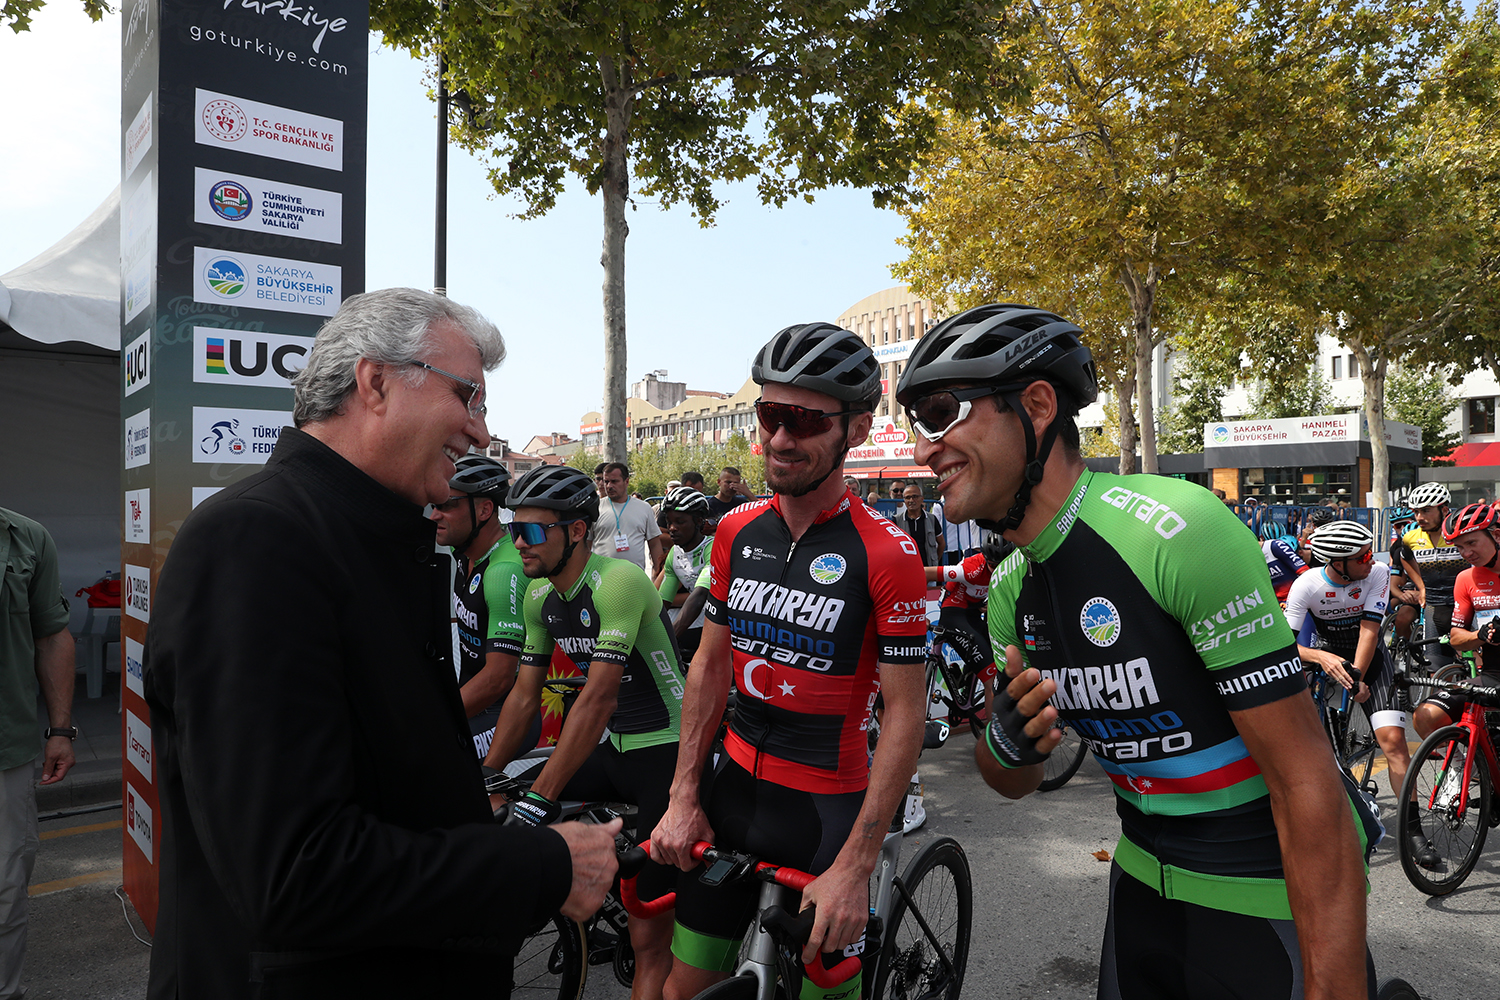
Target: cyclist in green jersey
x=608 y=619
x=1138 y=610
x=488 y=589
x=684 y=510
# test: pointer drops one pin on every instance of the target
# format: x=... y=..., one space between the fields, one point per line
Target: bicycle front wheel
x=1454 y=818
x=551 y=962
x=926 y=947
x=1453 y=673
x=1063 y=762
x=1357 y=747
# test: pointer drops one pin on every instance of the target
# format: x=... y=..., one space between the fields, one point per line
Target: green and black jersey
x=612 y=613
x=1151 y=607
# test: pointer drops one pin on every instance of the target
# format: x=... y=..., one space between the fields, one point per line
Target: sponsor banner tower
x=242 y=227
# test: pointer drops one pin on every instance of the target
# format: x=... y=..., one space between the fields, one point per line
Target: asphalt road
x=1039 y=900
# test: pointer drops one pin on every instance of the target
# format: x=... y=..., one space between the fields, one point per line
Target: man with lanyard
x=627 y=526
x=924 y=526
x=1439 y=564
x=1476 y=609
x=610 y=622
x=816 y=604
x=488 y=588
x=683 y=509
x=1343 y=605
x=1150 y=626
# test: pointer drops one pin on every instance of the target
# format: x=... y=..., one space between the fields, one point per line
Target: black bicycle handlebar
x=1480 y=694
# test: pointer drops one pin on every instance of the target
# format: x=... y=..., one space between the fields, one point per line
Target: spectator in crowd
x=852 y=485
x=732 y=492
x=693 y=481
x=1221 y=495
x=627 y=527
x=872 y=498
x=323 y=827
x=898 y=490
x=923 y=525
x=599 y=477
x=961 y=539
x=36 y=655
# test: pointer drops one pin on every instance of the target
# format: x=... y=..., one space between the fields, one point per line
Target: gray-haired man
x=326 y=830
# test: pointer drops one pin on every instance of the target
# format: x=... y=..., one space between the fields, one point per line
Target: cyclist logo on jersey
x=474 y=583
x=583 y=617
x=828 y=568
x=1100 y=622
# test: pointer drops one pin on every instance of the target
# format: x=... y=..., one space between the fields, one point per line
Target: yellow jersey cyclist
x=1439 y=563
x=608 y=619
x=1139 y=610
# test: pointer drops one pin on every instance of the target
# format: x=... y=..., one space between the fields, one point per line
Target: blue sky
x=699 y=301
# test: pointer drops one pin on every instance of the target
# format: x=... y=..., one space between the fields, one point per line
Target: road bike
x=1347 y=727
x=1452 y=778
x=916 y=943
x=948 y=672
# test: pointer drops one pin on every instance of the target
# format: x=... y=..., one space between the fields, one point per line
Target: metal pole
x=440 y=229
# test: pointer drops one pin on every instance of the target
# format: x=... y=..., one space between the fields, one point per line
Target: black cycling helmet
x=1008 y=346
x=994 y=547
x=821 y=357
x=557 y=487
x=1322 y=515
x=685 y=499
x=482 y=476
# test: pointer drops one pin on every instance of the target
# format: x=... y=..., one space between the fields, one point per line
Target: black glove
x=1489 y=632
x=1006 y=736
x=532 y=809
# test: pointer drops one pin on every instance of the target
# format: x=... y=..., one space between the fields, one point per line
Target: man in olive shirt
x=36 y=653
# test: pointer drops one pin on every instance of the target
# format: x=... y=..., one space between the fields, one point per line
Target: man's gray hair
x=390 y=326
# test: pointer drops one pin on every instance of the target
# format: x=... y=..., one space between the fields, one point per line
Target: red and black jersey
x=967 y=584
x=808 y=622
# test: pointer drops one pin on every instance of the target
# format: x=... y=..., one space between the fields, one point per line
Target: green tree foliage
x=17 y=14
x=652 y=467
x=1296 y=390
x=1422 y=396
x=1204 y=368
x=801 y=94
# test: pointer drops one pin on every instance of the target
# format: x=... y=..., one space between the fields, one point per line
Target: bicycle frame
x=1479 y=736
x=760 y=954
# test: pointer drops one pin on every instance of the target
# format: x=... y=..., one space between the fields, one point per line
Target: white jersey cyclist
x=1319 y=609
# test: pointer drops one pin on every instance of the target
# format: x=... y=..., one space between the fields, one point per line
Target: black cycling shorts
x=1168 y=949
x=801 y=830
x=1452 y=704
x=641 y=777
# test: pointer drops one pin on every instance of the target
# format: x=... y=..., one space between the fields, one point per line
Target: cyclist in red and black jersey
x=816 y=603
x=966 y=587
x=1476 y=609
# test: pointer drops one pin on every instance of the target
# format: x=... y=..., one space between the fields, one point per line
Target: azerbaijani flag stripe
x=1185 y=764
x=1208 y=781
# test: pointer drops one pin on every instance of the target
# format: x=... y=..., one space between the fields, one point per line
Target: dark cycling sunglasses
x=799 y=421
x=532 y=533
x=934 y=414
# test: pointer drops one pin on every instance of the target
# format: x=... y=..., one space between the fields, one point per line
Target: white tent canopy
x=60 y=436
x=70 y=293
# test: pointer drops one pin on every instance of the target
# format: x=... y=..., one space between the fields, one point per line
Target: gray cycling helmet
x=685 y=499
x=821 y=357
x=482 y=476
x=556 y=487
x=1340 y=540
x=1007 y=346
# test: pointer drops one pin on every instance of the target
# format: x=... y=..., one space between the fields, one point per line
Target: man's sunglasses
x=935 y=414
x=532 y=533
x=1369 y=555
x=799 y=421
x=473 y=399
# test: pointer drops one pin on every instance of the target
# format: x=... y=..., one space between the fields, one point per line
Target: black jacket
x=324 y=829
